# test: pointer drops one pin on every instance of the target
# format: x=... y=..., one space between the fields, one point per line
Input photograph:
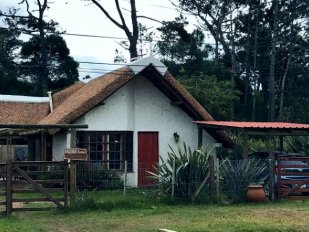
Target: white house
x=133 y=113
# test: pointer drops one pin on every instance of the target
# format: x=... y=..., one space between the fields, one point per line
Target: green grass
x=109 y=211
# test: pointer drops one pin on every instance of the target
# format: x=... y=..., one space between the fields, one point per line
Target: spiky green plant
x=191 y=172
x=237 y=175
x=297 y=144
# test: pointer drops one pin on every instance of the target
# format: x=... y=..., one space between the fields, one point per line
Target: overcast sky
x=81 y=17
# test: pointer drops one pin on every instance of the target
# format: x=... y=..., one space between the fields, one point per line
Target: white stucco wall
x=140 y=106
x=59 y=144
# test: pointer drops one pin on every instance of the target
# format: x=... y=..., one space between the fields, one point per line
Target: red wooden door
x=148 y=158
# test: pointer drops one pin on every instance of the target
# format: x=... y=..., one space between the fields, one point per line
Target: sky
x=81 y=17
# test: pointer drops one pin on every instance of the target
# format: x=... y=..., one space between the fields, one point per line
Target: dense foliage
x=191 y=170
x=38 y=62
x=260 y=46
x=237 y=175
x=94 y=175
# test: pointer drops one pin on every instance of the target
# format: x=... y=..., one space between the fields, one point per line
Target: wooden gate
x=293 y=177
x=33 y=185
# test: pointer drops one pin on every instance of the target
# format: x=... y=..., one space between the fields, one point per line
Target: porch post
x=271 y=168
x=71 y=142
x=69 y=136
x=43 y=146
x=281 y=143
x=200 y=136
x=245 y=146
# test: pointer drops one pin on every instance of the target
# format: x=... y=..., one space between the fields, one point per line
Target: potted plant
x=255 y=193
x=238 y=175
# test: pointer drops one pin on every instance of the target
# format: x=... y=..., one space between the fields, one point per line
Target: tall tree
x=45 y=57
x=272 y=96
x=178 y=46
x=62 y=69
x=133 y=34
x=214 y=15
x=8 y=67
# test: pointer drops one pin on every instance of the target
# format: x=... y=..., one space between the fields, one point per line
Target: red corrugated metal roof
x=254 y=125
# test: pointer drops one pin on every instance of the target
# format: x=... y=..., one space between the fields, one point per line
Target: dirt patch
x=282 y=214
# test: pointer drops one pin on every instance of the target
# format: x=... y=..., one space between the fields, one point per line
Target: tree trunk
x=247 y=62
x=283 y=89
x=254 y=65
x=134 y=38
x=43 y=71
x=216 y=51
x=133 y=48
x=233 y=67
x=271 y=84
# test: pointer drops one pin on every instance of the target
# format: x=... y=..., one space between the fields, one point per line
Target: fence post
x=66 y=182
x=270 y=143
x=217 y=179
x=125 y=178
x=72 y=181
x=9 y=168
x=212 y=172
x=173 y=177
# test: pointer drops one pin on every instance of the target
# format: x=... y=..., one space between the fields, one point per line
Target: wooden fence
x=293 y=177
x=24 y=186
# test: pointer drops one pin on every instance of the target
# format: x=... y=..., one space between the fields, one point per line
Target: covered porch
x=270 y=130
x=33 y=142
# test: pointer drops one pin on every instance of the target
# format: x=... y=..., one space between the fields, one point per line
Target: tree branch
x=28 y=7
x=125 y=27
x=107 y=14
x=13 y=16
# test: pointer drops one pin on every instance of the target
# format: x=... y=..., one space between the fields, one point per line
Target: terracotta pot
x=255 y=193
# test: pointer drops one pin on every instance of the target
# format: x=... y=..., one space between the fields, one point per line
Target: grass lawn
x=111 y=212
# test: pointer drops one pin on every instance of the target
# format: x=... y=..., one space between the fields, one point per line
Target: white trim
x=139 y=65
x=25 y=99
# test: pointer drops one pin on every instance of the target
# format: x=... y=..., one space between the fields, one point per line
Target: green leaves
x=214 y=95
x=237 y=175
x=191 y=172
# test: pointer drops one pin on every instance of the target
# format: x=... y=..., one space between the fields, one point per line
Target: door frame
x=138 y=161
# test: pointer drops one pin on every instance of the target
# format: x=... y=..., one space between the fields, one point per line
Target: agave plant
x=191 y=172
x=237 y=175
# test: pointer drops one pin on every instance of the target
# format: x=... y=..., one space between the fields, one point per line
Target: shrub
x=191 y=172
x=237 y=175
x=94 y=175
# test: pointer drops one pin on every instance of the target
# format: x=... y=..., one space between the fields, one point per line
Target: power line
x=259 y=45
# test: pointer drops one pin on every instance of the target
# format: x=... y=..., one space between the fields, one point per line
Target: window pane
x=92 y=147
x=92 y=138
x=93 y=156
x=99 y=139
x=99 y=146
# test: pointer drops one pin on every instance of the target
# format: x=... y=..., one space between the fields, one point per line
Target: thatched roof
x=22 y=112
x=59 y=97
x=88 y=96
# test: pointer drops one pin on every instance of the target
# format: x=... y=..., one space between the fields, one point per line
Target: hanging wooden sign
x=75 y=154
